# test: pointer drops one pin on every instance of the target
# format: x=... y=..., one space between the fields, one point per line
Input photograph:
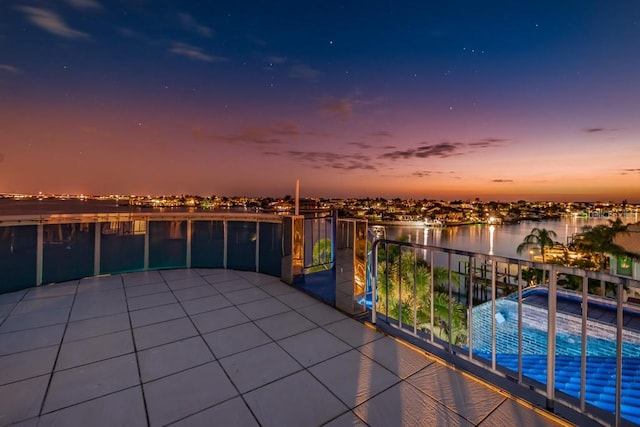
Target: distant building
x=628 y=266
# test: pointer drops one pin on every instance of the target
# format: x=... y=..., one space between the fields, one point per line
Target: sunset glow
x=498 y=101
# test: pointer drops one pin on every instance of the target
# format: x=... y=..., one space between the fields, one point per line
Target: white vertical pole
x=297 y=197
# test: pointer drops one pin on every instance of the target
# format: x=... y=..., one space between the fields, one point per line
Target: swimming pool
x=600 y=337
x=601 y=353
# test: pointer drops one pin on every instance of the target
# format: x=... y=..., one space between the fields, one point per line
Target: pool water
x=601 y=352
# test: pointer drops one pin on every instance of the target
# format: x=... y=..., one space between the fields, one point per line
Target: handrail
x=8 y=220
x=553 y=271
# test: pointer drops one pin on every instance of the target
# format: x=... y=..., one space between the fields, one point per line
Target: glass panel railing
x=270 y=248
x=207 y=244
x=122 y=246
x=318 y=243
x=68 y=251
x=241 y=245
x=17 y=257
x=49 y=249
x=167 y=244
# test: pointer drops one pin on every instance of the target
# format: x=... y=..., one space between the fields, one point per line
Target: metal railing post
x=257 y=246
x=225 y=233
x=431 y=295
x=146 y=243
x=470 y=310
x=520 y=306
x=450 y=311
x=493 y=314
x=39 y=253
x=551 y=340
x=96 y=248
x=583 y=349
x=386 y=282
x=400 y=286
x=374 y=282
x=189 y=239
x=415 y=291
x=619 y=326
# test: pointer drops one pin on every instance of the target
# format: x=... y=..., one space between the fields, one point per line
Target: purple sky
x=497 y=100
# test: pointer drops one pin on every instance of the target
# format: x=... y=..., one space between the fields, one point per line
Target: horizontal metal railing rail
x=11 y=220
x=491 y=261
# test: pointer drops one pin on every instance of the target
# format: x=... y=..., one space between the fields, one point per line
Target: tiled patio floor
x=219 y=347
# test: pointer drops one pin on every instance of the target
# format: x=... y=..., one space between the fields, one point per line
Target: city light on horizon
x=516 y=102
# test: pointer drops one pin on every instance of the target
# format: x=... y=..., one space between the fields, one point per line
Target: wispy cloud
x=341 y=108
x=344 y=108
x=275 y=134
x=443 y=149
x=362 y=145
x=51 y=22
x=9 y=69
x=422 y=174
x=325 y=159
x=381 y=134
x=304 y=72
x=194 y=52
x=85 y=4
x=598 y=130
x=501 y=180
x=630 y=171
x=488 y=142
x=190 y=24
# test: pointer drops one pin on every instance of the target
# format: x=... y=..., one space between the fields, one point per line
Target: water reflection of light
x=425 y=241
x=492 y=229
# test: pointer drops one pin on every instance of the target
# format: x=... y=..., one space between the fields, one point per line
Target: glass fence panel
x=317 y=244
x=68 y=251
x=167 y=244
x=122 y=246
x=207 y=244
x=270 y=248
x=241 y=245
x=17 y=257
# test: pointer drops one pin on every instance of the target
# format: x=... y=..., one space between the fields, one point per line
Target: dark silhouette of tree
x=539 y=238
x=598 y=242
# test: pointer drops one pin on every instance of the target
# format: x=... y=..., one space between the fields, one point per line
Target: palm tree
x=322 y=251
x=539 y=238
x=441 y=326
x=598 y=241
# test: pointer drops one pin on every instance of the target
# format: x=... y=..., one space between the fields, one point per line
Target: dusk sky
x=500 y=100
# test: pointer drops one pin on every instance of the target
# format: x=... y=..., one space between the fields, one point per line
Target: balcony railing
x=480 y=308
x=54 y=248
